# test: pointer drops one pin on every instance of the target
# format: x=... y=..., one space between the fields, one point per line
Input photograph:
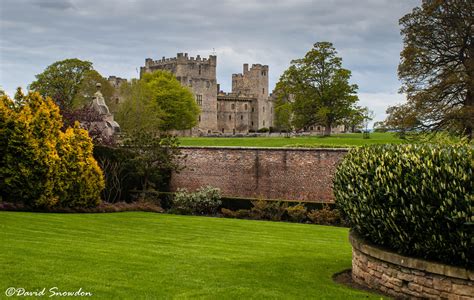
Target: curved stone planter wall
x=402 y=276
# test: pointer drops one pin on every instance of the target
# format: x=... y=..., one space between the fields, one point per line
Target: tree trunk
x=327 y=130
x=468 y=119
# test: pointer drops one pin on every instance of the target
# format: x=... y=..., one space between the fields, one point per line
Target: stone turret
x=254 y=82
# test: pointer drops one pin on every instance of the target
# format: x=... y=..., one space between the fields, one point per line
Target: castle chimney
x=246 y=68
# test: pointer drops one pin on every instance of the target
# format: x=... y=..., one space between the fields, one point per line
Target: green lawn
x=137 y=255
x=339 y=140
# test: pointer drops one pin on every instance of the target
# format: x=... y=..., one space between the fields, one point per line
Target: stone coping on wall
x=266 y=148
x=408 y=262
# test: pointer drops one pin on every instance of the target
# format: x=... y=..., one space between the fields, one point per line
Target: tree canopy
x=157 y=102
x=437 y=69
x=318 y=89
x=71 y=83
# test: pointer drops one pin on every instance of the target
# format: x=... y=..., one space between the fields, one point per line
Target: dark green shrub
x=297 y=213
x=205 y=201
x=325 y=216
x=263 y=130
x=268 y=210
x=121 y=176
x=239 y=214
x=415 y=199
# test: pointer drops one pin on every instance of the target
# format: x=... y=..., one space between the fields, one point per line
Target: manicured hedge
x=415 y=199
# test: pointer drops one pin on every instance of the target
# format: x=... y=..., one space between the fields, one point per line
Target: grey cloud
x=118 y=35
x=54 y=4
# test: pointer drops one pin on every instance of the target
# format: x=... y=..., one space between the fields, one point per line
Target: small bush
x=205 y=201
x=297 y=213
x=268 y=210
x=263 y=130
x=415 y=199
x=325 y=216
x=238 y=214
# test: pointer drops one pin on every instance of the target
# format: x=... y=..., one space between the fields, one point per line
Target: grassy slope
x=340 y=140
x=145 y=255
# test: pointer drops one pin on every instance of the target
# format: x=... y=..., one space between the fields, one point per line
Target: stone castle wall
x=406 y=277
x=234 y=114
x=270 y=173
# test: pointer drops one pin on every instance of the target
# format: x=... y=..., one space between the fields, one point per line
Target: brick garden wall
x=271 y=173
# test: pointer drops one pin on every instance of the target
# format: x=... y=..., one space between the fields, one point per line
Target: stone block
x=463 y=290
x=395 y=281
x=405 y=276
x=442 y=284
x=431 y=291
x=415 y=287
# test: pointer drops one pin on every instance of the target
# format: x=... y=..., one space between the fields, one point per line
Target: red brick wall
x=289 y=174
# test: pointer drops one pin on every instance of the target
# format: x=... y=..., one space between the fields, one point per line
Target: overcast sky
x=117 y=36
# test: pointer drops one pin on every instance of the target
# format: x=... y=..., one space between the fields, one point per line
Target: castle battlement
x=255 y=68
x=181 y=58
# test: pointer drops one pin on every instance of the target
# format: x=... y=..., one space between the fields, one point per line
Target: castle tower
x=253 y=82
x=199 y=75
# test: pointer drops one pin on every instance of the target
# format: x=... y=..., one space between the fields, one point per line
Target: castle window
x=232 y=106
x=190 y=83
x=217 y=105
x=253 y=109
x=199 y=118
x=199 y=100
x=252 y=123
x=263 y=90
x=241 y=117
x=222 y=130
x=263 y=108
x=319 y=128
x=245 y=106
x=263 y=122
x=199 y=69
x=230 y=117
x=264 y=73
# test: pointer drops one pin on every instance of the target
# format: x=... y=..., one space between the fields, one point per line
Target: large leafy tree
x=152 y=107
x=437 y=68
x=318 y=88
x=157 y=103
x=61 y=81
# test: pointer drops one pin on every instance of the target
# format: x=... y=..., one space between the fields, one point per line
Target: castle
x=248 y=108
